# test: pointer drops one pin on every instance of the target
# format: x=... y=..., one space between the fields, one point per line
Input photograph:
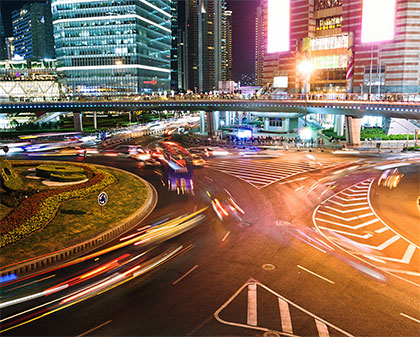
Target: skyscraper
x=113 y=47
x=32 y=31
x=227 y=46
x=3 y=54
x=178 y=48
x=259 y=44
x=207 y=44
x=354 y=45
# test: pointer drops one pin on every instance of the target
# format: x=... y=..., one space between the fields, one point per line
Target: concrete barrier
x=48 y=261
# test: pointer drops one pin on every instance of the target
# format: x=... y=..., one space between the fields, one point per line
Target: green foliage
x=9 y=179
x=65 y=177
x=46 y=170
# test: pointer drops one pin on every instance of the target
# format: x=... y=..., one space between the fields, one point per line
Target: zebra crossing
x=272 y=313
x=262 y=173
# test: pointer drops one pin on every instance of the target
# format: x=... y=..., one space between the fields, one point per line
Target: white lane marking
x=409 y=317
x=365 y=236
x=291 y=181
x=299 y=188
x=407 y=272
x=348 y=205
x=186 y=274
x=364 y=186
x=95 y=328
x=381 y=230
x=384 y=167
x=367 y=223
x=254 y=176
x=352 y=199
x=356 y=191
x=252 y=304
x=317 y=275
x=385 y=244
x=226 y=235
x=372 y=258
x=354 y=194
x=347 y=211
x=346 y=219
x=255 y=168
x=208 y=178
x=286 y=321
x=322 y=329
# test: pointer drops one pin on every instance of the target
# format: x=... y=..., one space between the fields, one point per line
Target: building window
x=324 y=4
x=276 y=122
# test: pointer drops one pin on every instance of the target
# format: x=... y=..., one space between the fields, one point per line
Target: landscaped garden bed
x=45 y=219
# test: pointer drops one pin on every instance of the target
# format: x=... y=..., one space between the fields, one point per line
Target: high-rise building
x=259 y=44
x=32 y=31
x=227 y=46
x=355 y=46
x=207 y=49
x=3 y=53
x=10 y=47
x=113 y=47
x=178 y=48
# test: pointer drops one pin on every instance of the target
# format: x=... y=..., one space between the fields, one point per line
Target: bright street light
x=305 y=68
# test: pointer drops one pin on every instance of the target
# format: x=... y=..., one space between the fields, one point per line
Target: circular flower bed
x=37 y=210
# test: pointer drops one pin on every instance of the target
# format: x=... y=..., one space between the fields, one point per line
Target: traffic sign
x=102 y=199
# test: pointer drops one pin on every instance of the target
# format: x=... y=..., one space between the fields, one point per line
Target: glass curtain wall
x=113 y=47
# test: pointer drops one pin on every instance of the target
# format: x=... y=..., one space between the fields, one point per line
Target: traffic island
x=71 y=220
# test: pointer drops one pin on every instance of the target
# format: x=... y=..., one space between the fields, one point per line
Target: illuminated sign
x=330 y=62
x=378 y=20
x=329 y=23
x=330 y=42
x=280 y=82
x=278 y=26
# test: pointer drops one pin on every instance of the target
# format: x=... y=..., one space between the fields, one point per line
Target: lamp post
x=305 y=68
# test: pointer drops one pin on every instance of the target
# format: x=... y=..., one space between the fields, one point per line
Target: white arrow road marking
x=252 y=304
x=286 y=321
x=366 y=236
x=347 y=211
x=348 y=205
x=405 y=259
x=367 y=223
x=346 y=219
x=322 y=329
x=383 y=245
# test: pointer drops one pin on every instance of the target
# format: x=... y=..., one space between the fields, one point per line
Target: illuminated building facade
x=33 y=32
x=355 y=46
x=259 y=45
x=208 y=44
x=113 y=47
x=3 y=53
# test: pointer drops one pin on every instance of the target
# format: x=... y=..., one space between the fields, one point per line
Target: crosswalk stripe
x=252 y=304
x=267 y=164
x=348 y=205
x=322 y=329
x=348 y=210
x=367 y=223
x=257 y=168
x=251 y=170
x=366 y=236
x=263 y=178
x=346 y=219
x=286 y=321
x=352 y=199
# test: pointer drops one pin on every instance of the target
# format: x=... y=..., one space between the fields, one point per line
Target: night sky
x=243 y=20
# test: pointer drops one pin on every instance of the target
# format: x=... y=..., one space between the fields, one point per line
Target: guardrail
x=52 y=259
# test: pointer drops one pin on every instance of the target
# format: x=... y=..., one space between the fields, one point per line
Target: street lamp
x=305 y=68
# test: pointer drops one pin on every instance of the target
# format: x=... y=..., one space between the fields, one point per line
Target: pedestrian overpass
x=353 y=110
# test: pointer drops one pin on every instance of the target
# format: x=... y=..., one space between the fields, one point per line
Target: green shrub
x=9 y=178
x=67 y=177
x=45 y=170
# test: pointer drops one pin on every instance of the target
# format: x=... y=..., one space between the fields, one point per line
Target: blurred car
x=198 y=161
x=390 y=178
x=225 y=206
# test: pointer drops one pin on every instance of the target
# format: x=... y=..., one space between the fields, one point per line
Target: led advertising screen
x=278 y=26
x=378 y=20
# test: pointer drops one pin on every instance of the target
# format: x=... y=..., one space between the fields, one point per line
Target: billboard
x=378 y=20
x=278 y=39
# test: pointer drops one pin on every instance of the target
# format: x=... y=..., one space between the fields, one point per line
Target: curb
x=64 y=255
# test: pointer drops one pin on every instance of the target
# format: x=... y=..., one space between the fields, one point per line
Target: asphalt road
x=271 y=271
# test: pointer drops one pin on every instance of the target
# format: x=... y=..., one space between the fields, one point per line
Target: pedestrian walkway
x=262 y=173
x=270 y=312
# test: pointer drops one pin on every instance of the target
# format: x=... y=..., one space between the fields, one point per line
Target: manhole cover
x=271 y=334
x=268 y=266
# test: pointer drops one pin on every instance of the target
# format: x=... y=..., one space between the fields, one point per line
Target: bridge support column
x=202 y=122
x=240 y=117
x=95 y=121
x=77 y=120
x=266 y=123
x=353 y=126
x=210 y=123
x=339 y=125
x=216 y=120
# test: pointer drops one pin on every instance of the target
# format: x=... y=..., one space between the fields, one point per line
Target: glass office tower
x=113 y=47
